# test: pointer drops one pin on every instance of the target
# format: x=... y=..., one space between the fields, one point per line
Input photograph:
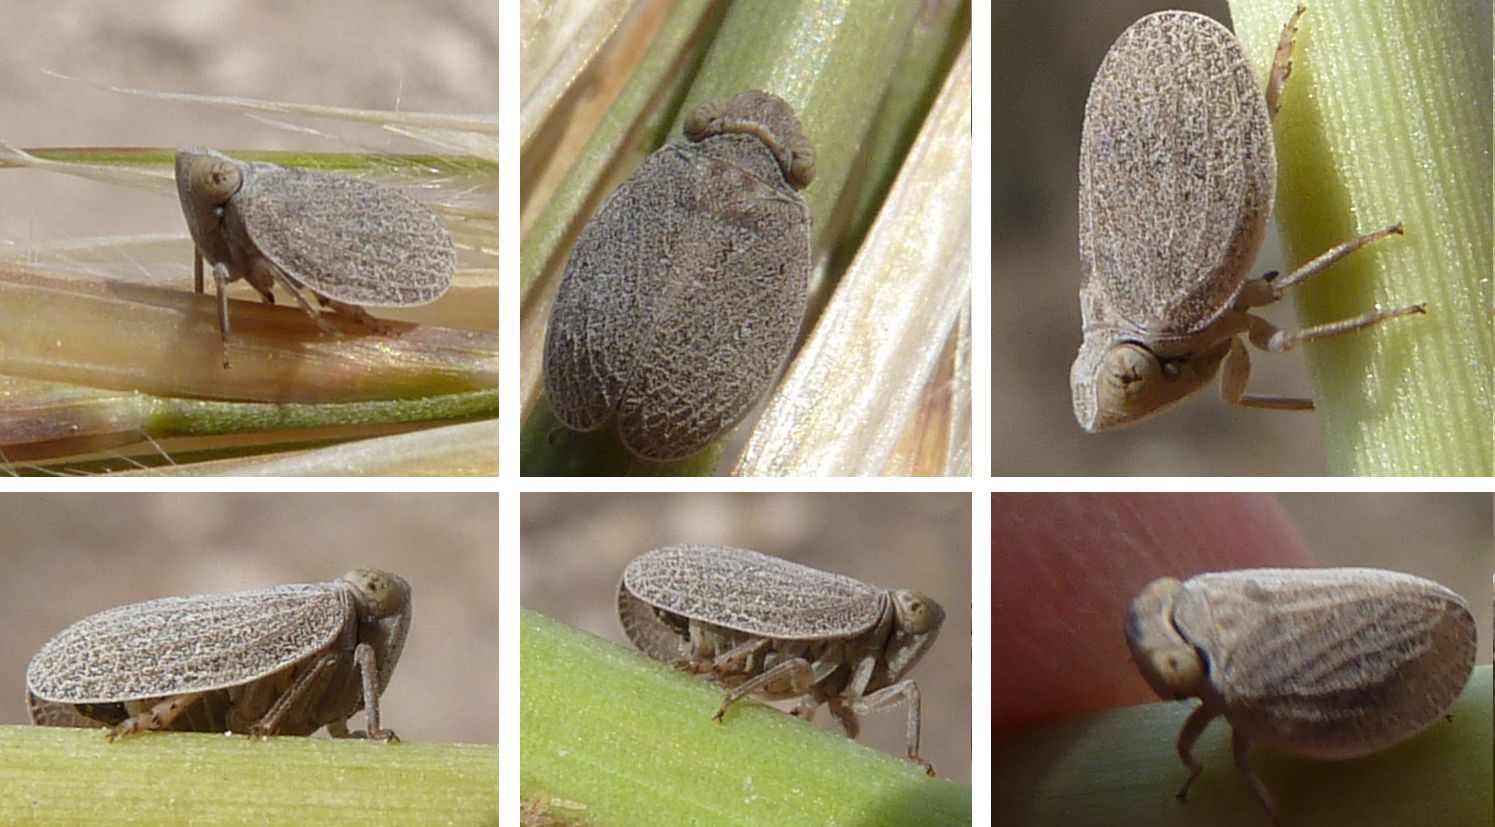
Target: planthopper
x=283 y=660
x=685 y=291
x=759 y=625
x=1177 y=180
x=1322 y=663
x=348 y=242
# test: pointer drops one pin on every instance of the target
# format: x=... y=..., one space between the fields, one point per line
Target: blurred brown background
x=1091 y=553
x=439 y=55
x=1045 y=55
x=575 y=547
x=70 y=555
x=1449 y=538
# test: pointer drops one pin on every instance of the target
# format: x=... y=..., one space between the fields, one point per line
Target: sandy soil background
x=70 y=555
x=575 y=547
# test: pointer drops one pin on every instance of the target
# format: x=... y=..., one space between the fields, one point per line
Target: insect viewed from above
x=284 y=660
x=685 y=291
x=1323 y=663
x=348 y=242
x=764 y=626
x=1177 y=180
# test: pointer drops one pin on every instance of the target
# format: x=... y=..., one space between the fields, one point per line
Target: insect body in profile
x=761 y=625
x=1323 y=663
x=1177 y=180
x=349 y=242
x=685 y=291
x=284 y=660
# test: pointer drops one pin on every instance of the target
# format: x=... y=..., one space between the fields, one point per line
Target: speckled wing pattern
x=176 y=645
x=682 y=298
x=754 y=593
x=1339 y=662
x=346 y=238
x=650 y=632
x=1177 y=175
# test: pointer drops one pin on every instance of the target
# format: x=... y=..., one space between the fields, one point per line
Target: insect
x=1177 y=180
x=284 y=660
x=761 y=625
x=684 y=293
x=1323 y=663
x=349 y=242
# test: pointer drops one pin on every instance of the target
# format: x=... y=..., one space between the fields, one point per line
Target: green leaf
x=617 y=739
x=61 y=776
x=1386 y=118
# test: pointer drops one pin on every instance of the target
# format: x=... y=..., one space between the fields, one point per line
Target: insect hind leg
x=159 y=716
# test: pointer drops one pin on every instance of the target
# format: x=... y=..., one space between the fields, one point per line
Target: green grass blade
x=616 y=739
x=1387 y=117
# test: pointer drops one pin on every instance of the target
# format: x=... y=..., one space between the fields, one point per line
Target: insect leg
x=737 y=658
x=1282 y=61
x=904 y=691
x=1267 y=336
x=844 y=706
x=1193 y=728
x=358 y=314
x=807 y=706
x=317 y=672
x=369 y=668
x=1253 y=295
x=264 y=271
x=221 y=278
x=159 y=716
x=1234 y=373
x=1240 y=745
x=797 y=670
x=850 y=724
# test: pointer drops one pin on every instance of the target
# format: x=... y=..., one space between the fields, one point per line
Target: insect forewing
x=1177 y=175
x=1358 y=657
x=754 y=593
x=177 y=645
x=349 y=239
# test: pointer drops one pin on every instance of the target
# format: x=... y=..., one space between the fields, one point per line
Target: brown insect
x=685 y=291
x=761 y=625
x=284 y=660
x=348 y=242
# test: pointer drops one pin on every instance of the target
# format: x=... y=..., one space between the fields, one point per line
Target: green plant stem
x=623 y=740
x=1386 y=118
x=1120 y=768
x=59 y=776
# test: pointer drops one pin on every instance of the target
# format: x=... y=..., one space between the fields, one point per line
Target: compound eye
x=1178 y=668
x=916 y=613
x=1130 y=369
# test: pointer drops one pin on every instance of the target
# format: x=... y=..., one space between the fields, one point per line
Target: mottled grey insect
x=1177 y=180
x=761 y=625
x=284 y=660
x=1324 y=663
x=349 y=242
x=685 y=291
